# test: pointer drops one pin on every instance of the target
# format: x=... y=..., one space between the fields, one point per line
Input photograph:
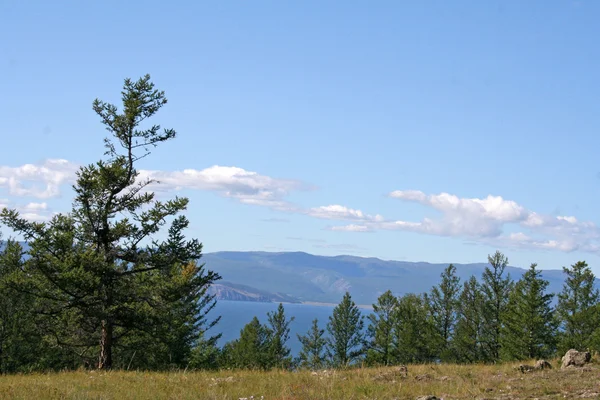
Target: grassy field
x=444 y=381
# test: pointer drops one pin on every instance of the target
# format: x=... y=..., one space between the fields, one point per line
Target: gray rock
x=542 y=364
x=575 y=358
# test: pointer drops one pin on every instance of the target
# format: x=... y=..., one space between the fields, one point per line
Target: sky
x=404 y=130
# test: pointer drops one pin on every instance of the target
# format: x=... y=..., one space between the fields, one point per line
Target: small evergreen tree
x=443 y=303
x=205 y=354
x=312 y=355
x=280 y=334
x=578 y=309
x=251 y=349
x=346 y=336
x=530 y=327
x=381 y=330
x=496 y=289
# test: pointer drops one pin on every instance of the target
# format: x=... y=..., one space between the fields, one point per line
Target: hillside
x=446 y=381
x=310 y=278
x=237 y=292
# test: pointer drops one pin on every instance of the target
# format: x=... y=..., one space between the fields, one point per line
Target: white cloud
x=35 y=207
x=245 y=186
x=485 y=220
x=44 y=181
x=336 y=211
x=571 y=220
x=37 y=212
x=492 y=207
x=350 y=228
x=40 y=181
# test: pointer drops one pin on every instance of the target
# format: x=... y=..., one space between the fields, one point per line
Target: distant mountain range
x=298 y=277
x=302 y=277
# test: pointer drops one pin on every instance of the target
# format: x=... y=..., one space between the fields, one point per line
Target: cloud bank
x=489 y=220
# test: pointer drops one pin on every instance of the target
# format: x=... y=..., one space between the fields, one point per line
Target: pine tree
x=530 y=327
x=578 y=308
x=413 y=330
x=346 y=336
x=495 y=289
x=205 y=354
x=381 y=330
x=104 y=276
x=20 y=342
x=443 y=303
x=251 y=349
x=280 y=334
x=312 y=355
x=467 y=339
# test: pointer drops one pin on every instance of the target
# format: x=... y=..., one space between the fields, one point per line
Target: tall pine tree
x=529 y=325
x=443 y=303
x=496 y=289
x=467 y=340
x=381 y=330
x=578 y=308
x=413 y=331
x=346 y=336
x=279 y=327
x=104 y=276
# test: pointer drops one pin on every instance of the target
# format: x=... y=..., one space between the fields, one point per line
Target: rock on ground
x=575 y=358
x=542 y=364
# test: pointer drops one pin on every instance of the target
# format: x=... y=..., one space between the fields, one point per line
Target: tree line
x=488 y=320
x=114 y=283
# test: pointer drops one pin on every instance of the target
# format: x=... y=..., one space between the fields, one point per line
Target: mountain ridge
x=310 y=278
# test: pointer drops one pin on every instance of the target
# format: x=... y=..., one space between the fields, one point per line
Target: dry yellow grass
x=445 y=381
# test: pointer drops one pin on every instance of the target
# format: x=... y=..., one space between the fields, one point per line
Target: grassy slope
x=446 y=381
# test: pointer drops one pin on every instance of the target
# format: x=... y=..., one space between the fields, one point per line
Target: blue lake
x=236 y=314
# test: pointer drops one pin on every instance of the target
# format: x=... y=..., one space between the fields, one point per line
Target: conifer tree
x=346 y=336
x=21 y=344
x=103 y=275
x=530 y=326
x=205 y=354
x=312 y=354
x=381 y=330
x=413 y=330
x=496 y=289
x=251 y=349
x=578 y=308
x=443 y=303
x=280 y=334
x=467 y=339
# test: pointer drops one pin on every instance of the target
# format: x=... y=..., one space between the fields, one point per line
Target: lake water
x=236 y=314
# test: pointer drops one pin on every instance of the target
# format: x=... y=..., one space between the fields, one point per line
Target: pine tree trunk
x=106 y=337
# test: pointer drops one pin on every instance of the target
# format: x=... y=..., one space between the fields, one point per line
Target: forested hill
x=310 y=278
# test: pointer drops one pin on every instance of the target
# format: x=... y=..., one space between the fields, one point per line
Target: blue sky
x=423 y=130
